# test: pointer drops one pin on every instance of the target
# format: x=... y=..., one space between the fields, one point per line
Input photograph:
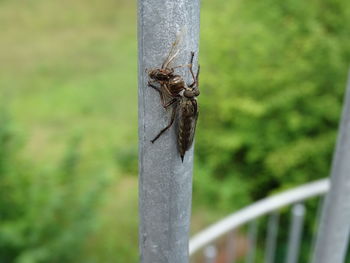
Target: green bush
x=272 y=83
x=45 y=215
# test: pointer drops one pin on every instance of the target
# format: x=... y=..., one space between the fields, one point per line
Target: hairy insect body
x=174 y=92
x=186 y=126
x=171 y=84
x=161 y=74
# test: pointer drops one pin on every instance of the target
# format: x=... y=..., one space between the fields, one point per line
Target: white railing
x=205 y=239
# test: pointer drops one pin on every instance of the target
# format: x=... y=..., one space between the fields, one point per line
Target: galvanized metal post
x=210 y=253
x=316 y=225
x=231 y=247
x=165 y=183
x=295 y=233
x=333 y=235
x=252 y=237
x=271 y=238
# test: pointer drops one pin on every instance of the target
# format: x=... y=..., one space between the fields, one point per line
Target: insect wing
x=175 y=48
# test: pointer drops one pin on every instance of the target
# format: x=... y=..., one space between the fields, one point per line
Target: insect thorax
x=176 y=85
x=161 y=74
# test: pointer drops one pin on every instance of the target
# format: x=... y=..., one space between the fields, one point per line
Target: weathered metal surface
x=271 y=238
x=165 y=183
x=333 y=234
x=295 y=233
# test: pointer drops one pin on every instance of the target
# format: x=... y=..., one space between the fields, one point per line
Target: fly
x=187 y=116
x=181 y=96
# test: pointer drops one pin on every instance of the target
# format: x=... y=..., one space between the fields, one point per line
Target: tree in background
x=273 y=78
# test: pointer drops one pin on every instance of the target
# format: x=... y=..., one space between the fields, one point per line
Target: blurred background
x=272 y=82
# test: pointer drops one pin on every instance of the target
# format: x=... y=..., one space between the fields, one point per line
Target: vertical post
x=316 y=227
x=271 y=238
x=252 y=237
x=165 y=183
x=231 y=247
x=295 y=233
x=333 y=235
x=210 y=253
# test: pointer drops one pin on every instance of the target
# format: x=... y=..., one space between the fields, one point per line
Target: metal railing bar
x=271 y=238
x=255 y=210
x=295 y=233
x=252 y=238
x=231 y=247
x=316 y=225
x=210 y=253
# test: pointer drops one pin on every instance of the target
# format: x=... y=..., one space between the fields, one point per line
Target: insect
x=170 y=83
x=174 y=91
x=187 y=115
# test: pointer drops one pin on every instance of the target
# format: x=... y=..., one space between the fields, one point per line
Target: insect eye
x=196 y=92
x=188 y=93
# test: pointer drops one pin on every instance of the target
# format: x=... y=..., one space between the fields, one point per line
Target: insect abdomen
x=176 y=85
x=186 y=126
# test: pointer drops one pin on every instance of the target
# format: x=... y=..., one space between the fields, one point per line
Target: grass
x=69 y=68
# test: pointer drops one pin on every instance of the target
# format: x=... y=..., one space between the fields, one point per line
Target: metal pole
x=252 y=238
x=210 y=253
x=165 y=183
x=295 y=233
x=333 y=235
x=316 y=224
x=271 y=238
x=231 y=247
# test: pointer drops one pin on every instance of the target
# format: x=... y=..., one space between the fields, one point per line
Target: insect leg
x=153 y=86
x=182 y=66
x=161 y=95
x=173 y=115
x=195 y=78
x=197 y=75
x=170 y=103
x=191 y=64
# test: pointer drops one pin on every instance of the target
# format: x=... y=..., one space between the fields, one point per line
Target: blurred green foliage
x=43 y=214
x=272 y=81
x=68 y=74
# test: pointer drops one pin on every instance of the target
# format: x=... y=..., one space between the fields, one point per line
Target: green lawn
x=69 y=68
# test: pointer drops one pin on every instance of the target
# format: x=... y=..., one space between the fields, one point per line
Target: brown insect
x=174 y=91
x=187 y=115
x=170 y=84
